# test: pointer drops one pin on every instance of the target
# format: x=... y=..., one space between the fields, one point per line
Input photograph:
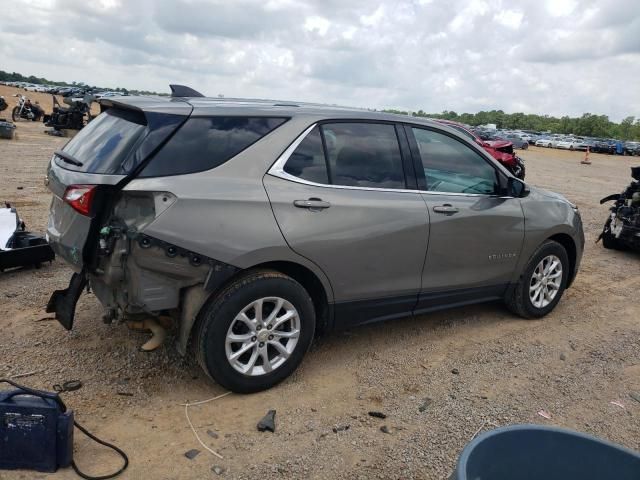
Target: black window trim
x=417 y=162
x=277 y=169
x=284 y=119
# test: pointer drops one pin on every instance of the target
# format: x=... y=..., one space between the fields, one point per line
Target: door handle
x=447 y=209
x=312 y=204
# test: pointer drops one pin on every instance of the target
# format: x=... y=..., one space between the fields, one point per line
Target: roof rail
x=183 y=91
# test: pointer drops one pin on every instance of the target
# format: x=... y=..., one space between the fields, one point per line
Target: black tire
x=518 y=300
x=15 y=114
x=525 y=146
x=219 y=312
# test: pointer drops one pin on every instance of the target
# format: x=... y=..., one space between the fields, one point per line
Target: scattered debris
x=217 y=470
x=186 y=414
x=20 y=188
x=69 y=386
x=479 y=429
x=268 y=422
x=617 y=404
x=212 y=434
x=455 y=371
x=385 y=429
x=159 y=333
x=125 y=394
x=191 y=454
x=425 y=404
x=341 y=428
x=544 y=414
x=27 y=374
x=377 y=415
x=563 y=357
x=635 y=396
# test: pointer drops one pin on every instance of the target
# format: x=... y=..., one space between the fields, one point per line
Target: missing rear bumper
x=63 y=302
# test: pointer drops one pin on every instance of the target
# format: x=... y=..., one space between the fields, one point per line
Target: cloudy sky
x=536 y=56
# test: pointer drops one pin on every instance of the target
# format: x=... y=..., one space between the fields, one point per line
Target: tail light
x=80 y=197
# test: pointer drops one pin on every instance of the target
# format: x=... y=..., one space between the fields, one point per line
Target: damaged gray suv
x=256 y=224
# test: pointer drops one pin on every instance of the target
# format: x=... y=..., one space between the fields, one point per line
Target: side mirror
x=516 y=188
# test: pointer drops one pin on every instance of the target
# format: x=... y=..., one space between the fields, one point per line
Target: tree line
x=588 y=125
x=17 y=77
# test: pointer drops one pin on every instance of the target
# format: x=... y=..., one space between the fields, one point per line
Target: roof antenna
x=184 y=91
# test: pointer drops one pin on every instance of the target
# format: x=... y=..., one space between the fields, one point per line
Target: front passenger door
x=476 y=234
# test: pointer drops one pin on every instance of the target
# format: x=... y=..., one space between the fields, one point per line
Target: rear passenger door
x=344 y=196
x=476 y=233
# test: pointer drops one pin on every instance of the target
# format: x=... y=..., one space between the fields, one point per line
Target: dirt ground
x=572 y=364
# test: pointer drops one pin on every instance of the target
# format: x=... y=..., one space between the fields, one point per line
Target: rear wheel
x=542 y=283
x=255 y=332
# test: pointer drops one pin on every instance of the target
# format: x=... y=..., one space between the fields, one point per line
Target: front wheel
x=542 y=283
x=15 y=114
x=254 y=333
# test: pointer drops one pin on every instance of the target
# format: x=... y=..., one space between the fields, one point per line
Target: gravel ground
x=440 y=378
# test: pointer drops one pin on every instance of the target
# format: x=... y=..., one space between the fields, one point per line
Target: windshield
x=104 y=143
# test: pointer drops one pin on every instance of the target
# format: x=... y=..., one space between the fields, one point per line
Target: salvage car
x=501 y=150
x=622 y=229
x=517 y=142
x=257 y=224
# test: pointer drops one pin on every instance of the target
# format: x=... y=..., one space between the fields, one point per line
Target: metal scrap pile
x=622 y=228
x=19 y=248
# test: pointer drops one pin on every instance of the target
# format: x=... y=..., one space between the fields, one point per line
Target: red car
x=501 y=150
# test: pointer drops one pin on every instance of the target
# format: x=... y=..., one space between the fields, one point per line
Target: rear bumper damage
x=63 y=302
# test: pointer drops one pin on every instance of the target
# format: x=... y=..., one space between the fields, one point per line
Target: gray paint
x=371 y=243
x=461 y=244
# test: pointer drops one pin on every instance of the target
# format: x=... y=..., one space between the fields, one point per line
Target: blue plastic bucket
x=535 y=452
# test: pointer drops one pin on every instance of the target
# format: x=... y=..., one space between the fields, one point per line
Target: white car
x=548 y=142
x=570 y=144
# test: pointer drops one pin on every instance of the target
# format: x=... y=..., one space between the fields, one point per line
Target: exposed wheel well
x=569 y=245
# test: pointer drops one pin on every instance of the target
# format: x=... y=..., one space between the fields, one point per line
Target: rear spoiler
x=139 y=103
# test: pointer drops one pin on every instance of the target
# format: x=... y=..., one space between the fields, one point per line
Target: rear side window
x=203 y=143
x=104 y=143
x=307 y=161
x=364 y=155
x=357 y=154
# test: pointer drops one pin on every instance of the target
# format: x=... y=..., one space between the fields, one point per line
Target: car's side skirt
x=359 y=312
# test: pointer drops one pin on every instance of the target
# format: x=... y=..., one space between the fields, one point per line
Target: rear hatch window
x=203 y=143
x=103 y=145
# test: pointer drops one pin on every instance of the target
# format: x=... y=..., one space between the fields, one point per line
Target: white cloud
x=559 y=57
x=509 y=18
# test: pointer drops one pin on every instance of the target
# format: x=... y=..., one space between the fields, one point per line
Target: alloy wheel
x=262 y=336
x=545 y=281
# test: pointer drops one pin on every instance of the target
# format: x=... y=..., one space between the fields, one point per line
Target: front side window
x=453 y=167
x=203 y=143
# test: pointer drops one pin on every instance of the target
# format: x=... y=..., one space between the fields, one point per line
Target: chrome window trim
x=277 y=170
